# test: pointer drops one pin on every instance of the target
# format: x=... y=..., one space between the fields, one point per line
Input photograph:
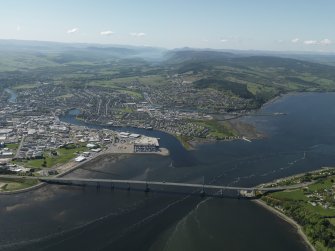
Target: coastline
x=294 y=176
x=24 y=190
x=73 y=166
x=288 y=220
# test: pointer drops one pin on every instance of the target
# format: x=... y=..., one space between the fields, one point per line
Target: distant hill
x=248 y=74
x=17 y=54
x=179 y=56
x=261 y=76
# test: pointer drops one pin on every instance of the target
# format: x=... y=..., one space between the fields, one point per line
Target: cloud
x=73 y=30
x=18 y=28
x=138 y=34
x=310 y=42
x=295 y=40
x=326 y=41
x=223 y=40
x=106 y=33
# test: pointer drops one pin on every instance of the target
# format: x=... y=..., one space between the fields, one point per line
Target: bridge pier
x=147 y=189
x=202 y=192
x=221 y=193
x=112 y=186
x=128 y=188
x=98 y=186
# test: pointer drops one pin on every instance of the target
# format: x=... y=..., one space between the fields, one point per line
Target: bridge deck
x=160 y=183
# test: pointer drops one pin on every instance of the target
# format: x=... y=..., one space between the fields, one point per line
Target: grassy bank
x=13 y=184
x=312 y=207
x=185 y=141
x=217 y=129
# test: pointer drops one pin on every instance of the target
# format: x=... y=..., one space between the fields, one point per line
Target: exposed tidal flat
x=73 y=218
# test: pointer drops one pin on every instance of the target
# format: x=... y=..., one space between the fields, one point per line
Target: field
x=25 y=86
x=12 y=146
x=63 y=156
x=218 y=130
x=313 y=208
x=296 y=195
x=9 y=184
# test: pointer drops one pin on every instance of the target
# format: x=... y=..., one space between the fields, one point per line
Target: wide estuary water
x=74 y=218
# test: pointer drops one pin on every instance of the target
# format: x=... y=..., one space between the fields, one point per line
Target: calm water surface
x=73 y=218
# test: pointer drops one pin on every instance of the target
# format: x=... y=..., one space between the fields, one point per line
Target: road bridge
x=147 y=185
x=243 y=191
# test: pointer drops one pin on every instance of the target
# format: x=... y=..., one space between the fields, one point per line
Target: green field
x=296 y=195
x=322 y=184
x=12 y=146
x=217 y=129
x=184 y=140
x=12 y=184
x=25 y=86
x=63 y=156
x=134 y=94
x=311 y=207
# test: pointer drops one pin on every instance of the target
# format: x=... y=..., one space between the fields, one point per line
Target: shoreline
x=289 y=220
x=295 y=176
x=163 y=152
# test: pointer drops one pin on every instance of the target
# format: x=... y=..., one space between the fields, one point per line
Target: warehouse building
x=146 y=144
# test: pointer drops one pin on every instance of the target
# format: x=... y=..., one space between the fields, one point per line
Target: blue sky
x=305 y=25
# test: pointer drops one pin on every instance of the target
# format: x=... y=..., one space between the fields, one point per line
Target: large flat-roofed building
x=146 y=144
x=5 y=130
x=134 y=135
x=80 y=159
x=124 y=134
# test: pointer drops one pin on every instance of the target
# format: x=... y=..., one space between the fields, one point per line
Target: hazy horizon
x=239 y=25
x=111 y=45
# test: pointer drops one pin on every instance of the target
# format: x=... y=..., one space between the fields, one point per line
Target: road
x=19 y=148
x=168 y=184
x=244 y=191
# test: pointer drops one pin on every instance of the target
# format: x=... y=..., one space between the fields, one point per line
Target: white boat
x=248 y=140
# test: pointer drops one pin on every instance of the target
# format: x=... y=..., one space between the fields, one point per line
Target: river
x=73 y=218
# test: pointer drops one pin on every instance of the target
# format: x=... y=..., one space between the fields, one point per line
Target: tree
x=44 y=164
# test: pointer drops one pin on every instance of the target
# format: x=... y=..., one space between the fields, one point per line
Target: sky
x=280 y=25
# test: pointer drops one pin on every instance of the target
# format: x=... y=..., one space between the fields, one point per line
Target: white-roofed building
x=146 y=144
x=80 y=158
x=124 y=134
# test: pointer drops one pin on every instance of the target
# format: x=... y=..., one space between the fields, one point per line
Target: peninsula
x=310 y=209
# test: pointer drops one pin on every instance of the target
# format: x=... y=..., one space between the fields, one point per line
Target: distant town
x=36 y=144
x=31 y=132
x=34 y=141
